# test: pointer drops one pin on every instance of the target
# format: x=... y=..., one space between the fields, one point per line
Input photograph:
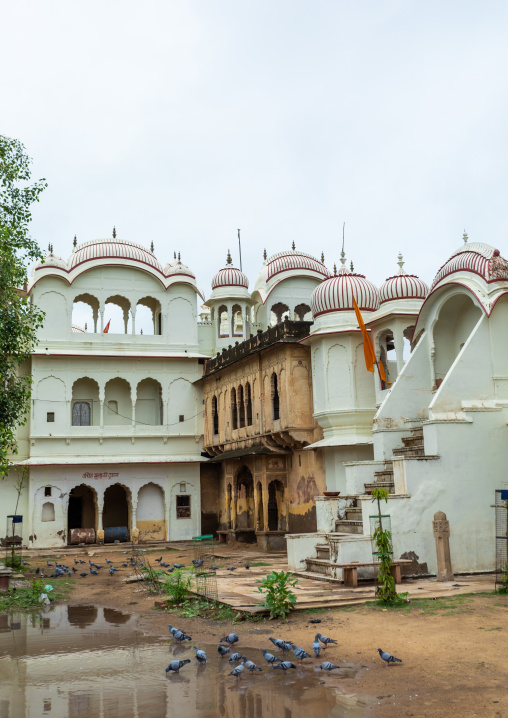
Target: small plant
x=14 y=562
x=502 y=586
x=279 y=597
x=386 y=590
x=177 y=585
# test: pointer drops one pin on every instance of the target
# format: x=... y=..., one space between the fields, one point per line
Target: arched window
x=48 y=511
x=275 y=398
x=303 y=313
x=241 y=407
x=215 y=415
x=249 y=404
x=278 y=313
x=234 y=414
x=223 y=321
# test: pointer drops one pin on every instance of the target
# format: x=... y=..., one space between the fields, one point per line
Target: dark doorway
x=273 y=509
x=116 y=508
x=81 y=511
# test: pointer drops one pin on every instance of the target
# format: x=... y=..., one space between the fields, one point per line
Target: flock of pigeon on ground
x=320 y=642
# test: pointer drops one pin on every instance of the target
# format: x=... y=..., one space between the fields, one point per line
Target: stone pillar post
x=398 y=341
x=234 y=498
x=256 y=505
x=134 y=520
x=265 y=503
x=133 y=327
x=441 y=531
x=101 y=312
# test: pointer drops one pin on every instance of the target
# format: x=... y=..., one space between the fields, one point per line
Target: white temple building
x=113 y=448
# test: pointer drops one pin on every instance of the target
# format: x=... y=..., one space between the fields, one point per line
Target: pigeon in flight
x=238 y=671
x=284 y=646
x=285 y=665
x=223 y=650
x=231 y=639
x=176 y=665
x=251 y=667
x=270 y=658
x=300 y=653
x=324 y=639
x=388 y=658
x=327 y=666
x=200 y=655
x=235 y=657
x=178 y=635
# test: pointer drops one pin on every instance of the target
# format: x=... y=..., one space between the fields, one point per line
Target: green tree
x=19 y=318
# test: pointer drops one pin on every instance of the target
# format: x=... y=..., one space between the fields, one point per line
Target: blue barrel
x=116 y=533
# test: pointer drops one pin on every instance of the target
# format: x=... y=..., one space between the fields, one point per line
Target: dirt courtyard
x=453 y=649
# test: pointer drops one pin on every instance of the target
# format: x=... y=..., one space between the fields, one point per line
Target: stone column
x=264 y=486
x=134 y=520
x=101 y=312
x=398 y=341
x=441 y=531
x=133 y=328
x=234 y=498
x=256 y=505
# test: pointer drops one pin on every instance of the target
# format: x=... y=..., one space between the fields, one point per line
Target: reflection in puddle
x=89 y=662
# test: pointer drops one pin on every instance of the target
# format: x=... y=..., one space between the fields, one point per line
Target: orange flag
x=106 y=328
x=368 y=349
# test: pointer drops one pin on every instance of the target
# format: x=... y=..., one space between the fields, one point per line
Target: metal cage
x=206 y=585
x=203 y=552
x=501 y=508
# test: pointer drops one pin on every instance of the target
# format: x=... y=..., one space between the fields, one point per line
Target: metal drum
x=116 y=533
x=81 y=536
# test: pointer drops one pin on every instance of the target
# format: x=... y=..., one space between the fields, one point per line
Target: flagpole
x=240 y=250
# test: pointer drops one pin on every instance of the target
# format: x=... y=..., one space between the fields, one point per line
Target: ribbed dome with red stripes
x=336 y=294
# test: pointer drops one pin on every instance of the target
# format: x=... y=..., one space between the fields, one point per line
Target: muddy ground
x=454 y=650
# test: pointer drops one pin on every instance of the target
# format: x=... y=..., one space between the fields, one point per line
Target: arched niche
x=82 y=508
x=457 y=318
x=276 y=517
x=236 y=313
x=117 y=403
x=222 y=322
x=245 y=518
x=150 y=518
x=116 y=507
x=149 y=402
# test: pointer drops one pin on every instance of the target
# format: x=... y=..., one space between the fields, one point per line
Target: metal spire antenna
x=343 y=232
x=240 y=250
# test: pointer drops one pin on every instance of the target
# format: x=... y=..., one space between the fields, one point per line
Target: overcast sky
x=179 y=122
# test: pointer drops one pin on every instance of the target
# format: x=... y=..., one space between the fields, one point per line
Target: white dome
x=229 y=276
x=475 y=258
x=336 y=293
x=293 y=260
x=402 y=286
x=112 y=249
x=176 y=268
x=51 y=261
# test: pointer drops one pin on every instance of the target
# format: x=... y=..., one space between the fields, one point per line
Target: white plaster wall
x=8 y=500
x=300 y=547
x=327 y=511
x=292 y=292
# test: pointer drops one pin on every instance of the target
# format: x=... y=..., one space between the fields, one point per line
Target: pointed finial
x=352 y=267
x=151 y=247
x=141 y=331
x=174 y=255
x=228 y=258
x=75 y=242
x=264 y=255
x=322 y=257
x=86 y=326
x=334 y=270
x=49 y=248
x=465 y=237
x=401 y=263
x=178 y=256
x=343 y=259
x=114 y=232
x=293 y=246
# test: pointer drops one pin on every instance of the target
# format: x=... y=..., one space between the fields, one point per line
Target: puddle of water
x=90 y=662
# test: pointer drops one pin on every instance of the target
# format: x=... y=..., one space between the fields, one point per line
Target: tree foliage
x=19 y=318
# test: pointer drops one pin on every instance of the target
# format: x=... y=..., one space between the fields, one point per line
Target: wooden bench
x=351 y=570
x=223 y=536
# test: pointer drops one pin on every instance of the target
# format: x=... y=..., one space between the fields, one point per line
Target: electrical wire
x=129 y=418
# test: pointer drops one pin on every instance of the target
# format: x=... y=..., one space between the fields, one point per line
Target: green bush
x=177 y=585
x=279 y=598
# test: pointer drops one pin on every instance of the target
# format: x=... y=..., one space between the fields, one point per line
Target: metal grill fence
x=501 y=508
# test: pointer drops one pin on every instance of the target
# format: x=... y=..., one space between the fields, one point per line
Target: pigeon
x=179 y=635
x=300 y=653
x=284 y=646
x=327 y=666
x=324 y=639
x=231 y=568
x=82 y=561
x=170 y=570
x=25 y=563
x=125 y=564
x=166 y=565
x=231 y=638
x=251 y=667
x=388 y=658
x=108 y=561
x=37 y=570
x=76 y=561
x=199 y=563
x=93 y=572
x=69 y=573
x=49 y=564
x=54 y=575
x=223 y=650
x=83 y=574
x=177 y=565
x=214 y=568
x=247 y=565
x=235 y=657
x=200 y=655
x=112 y=571
x=270 y=658
x=238 y=670
x=285 y=665
x=316 y=647
x=159 y=559
x=176 y=665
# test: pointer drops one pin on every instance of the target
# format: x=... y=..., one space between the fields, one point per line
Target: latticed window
x=215 y=416
x=275 y=398
x=81 y=413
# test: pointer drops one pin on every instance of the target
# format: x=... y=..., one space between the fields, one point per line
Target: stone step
x=412 y=440
x=354 y=513
x=380 y=485
x=409 y=451
x=386 y=475
x=349 y=526
x=323 y=551
x=319 y=566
